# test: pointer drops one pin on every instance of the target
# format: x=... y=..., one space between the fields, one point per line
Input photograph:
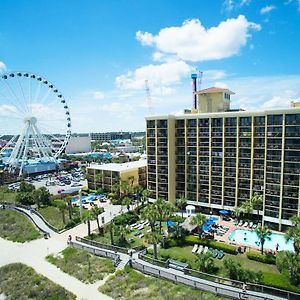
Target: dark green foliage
x=19 y=281
x=26 y=187
x=127 y=218
x=267 y=259
x=25 y=198
x=236 y=272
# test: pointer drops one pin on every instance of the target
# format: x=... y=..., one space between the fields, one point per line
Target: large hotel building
x=217 y=157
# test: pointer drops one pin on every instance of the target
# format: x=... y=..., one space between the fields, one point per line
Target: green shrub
x=127 y=218
x=73 y=223
x=267 y=259
x=190 y=240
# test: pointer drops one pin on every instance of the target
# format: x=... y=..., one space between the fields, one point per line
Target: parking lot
x=54 y=189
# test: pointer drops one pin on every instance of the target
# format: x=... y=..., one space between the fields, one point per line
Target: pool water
x=248 y=237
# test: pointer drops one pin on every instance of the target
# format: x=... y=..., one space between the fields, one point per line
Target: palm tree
x=111 y=227
x=69 y=203
x=256 y=201
x=62 y=206
x=145 y=197
x=126 y=202
x=247 y=207
x=293 y=233
x=131 y=182
x=95 y=212
x=199 y=220
x=124 y=188
x=87 y=217
x=180 y=203
x=99 y=179
x=263 y=233
x=160 y=206
x=150 y=213
x=138 y=189
x=116 y=189
x=236 y=212
x=121 y=231
x=153 y=238
x=205 y=262
x=291 y=262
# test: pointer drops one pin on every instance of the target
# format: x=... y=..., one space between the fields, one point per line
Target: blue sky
x=99 y=53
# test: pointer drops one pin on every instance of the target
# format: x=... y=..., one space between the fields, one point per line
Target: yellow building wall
x=213 y=102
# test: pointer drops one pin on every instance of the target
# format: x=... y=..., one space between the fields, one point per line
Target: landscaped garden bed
x=19 y=281
x=82 y=265
x=16 y=227
x=129 y=284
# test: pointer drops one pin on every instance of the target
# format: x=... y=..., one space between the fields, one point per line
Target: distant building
x=106 y=175
x=76 y=144
x=110 y=136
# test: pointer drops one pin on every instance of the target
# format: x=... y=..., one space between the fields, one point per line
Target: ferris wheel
x=34 y=119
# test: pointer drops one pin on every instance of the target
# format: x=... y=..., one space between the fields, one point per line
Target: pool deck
x=232 y=227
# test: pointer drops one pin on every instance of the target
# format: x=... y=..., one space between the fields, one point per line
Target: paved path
x=33 y=254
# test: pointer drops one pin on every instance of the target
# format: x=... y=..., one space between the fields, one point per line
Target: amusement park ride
x=33 y=113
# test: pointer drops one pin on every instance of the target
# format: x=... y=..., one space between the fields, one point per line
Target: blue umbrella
x=213 y=219
x=210 y=222
x=224 y=212
x=206 y=228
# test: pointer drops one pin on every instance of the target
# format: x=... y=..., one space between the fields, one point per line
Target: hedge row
x=190 y=240
x=267 y=259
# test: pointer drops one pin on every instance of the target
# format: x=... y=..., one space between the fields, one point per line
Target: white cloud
x=2 y=66
x=160 y=75
x=267 y=9
x=118 y=109
x=98 y=95
x=230 y=5
x=193 y=42
x=265 y=92
x=214 y=74
x=221 y=85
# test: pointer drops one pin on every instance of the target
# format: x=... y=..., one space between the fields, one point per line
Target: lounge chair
x=221 y=254
x=205 y=250
x=250 y=224
x=254 y=226
x=195 y=248
x=215 y=253
x=210 y=250
x=241 y=223
x=200 y=249
x=246 y=224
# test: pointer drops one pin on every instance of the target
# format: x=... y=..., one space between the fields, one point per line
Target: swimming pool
x=247 y=237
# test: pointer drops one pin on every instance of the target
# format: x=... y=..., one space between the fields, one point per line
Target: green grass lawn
x=19 y=281
x=16 y=227
x=82 y=265
x=7 y=196
x=129 y=284
x=54 y=216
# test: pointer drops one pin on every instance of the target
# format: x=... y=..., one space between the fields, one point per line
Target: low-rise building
x=106 y=175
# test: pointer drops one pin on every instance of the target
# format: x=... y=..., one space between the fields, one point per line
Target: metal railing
x=107 y=246
x=226 y=281
x=96 y=251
